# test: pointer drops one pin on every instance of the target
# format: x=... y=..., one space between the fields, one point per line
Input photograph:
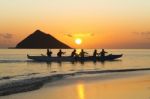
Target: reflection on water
x=15 y=62
x=70 y=66
x=81 y=91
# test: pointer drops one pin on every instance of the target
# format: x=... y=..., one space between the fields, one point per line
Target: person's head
x=74 y=50
x=102 y=49
x=60 y=50
x=82 y=50
x=95 y=50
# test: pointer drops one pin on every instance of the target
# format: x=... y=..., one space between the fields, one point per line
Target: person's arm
x=86 y=52
x=63 y=52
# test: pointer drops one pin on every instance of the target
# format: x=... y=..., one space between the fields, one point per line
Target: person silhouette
x=102 y=53
x=95 y=53
x=59 y=54
x=73 y=54
x=49 y=53
x=82 y=53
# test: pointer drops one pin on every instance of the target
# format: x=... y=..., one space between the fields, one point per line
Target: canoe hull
x=72 y=59
x=50 y=59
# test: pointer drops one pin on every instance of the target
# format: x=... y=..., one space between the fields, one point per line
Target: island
x=41 y=40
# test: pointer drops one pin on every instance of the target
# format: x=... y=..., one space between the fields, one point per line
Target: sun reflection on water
x=81 y=91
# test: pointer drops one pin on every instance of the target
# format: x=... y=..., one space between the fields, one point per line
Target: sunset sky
x=98 y=23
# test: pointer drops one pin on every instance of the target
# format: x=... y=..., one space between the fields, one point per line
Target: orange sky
x=99 y=23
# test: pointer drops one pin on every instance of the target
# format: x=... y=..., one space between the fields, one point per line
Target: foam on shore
x=37 y=81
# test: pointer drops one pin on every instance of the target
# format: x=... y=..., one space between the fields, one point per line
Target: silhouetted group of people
x=81 y=54
x=102 y=53
x=74 y=54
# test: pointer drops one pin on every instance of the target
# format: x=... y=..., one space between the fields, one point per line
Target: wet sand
x=126 y=85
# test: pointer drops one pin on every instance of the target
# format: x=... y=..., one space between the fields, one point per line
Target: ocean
x=19 y=74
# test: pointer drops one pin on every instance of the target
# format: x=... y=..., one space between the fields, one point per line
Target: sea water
x=16 y=68
x=14 y=62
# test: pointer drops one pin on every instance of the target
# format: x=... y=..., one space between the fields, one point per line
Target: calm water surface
x=14 y=62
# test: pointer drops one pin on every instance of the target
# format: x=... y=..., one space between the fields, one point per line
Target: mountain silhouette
x=39 y=39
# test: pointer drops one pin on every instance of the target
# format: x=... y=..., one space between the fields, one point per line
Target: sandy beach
x=124 y=85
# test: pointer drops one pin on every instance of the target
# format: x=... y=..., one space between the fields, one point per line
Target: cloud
x=145 y=35
x=69 y=35
x=92 y=34
x=6 y=36
x=80 y=35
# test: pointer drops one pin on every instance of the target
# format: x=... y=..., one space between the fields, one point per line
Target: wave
x=34 y=83
x=10 y=77
x=13 y=61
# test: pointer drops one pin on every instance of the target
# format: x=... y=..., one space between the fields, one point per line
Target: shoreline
x=78 y=87
x=38 y=82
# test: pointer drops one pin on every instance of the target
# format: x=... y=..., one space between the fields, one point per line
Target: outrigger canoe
x=44 y=58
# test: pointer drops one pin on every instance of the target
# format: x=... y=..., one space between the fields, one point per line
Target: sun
x=78 y=41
